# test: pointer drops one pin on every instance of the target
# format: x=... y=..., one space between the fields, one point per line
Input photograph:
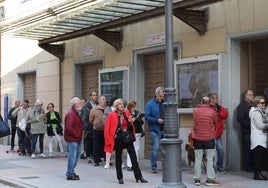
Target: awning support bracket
x=197 y=19
x=57 y=50
x=113 y=38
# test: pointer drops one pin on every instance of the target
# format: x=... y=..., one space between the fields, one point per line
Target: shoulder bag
x=4 y=129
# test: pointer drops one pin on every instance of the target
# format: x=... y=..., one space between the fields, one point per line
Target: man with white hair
x=73 y=134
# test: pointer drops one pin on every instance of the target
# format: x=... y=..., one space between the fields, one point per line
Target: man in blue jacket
x=154 y=114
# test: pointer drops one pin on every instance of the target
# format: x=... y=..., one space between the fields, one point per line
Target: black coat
x=243 y=116
x=54 y=121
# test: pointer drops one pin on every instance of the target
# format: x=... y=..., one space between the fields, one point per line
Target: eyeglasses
x=50 y=106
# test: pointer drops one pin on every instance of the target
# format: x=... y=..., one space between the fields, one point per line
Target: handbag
x=127 y=135
x=22 y=124
x=4 y=129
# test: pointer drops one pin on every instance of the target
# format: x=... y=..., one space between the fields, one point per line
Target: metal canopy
x=75 y=18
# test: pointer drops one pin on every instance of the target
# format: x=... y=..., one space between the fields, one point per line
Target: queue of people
x=94 y=131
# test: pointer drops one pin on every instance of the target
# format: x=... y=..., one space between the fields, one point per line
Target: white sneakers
x=107 y=166
x=43 y=155
x=33 y=156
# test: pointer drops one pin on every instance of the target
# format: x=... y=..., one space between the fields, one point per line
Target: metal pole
x=171 y=144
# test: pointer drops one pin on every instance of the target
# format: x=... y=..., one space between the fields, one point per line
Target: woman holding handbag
x=116 y=124
x=54 y=128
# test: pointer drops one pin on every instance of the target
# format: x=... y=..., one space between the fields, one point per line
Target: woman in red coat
x=113 y=141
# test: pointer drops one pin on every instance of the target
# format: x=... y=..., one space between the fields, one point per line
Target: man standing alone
x=154 y=114
x=203 y=133
x=73 y=134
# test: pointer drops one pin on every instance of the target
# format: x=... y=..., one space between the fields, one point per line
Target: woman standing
x=136 y=118
x=38 y=127
x=54 y=128
x=258 y=137
x=115 y=123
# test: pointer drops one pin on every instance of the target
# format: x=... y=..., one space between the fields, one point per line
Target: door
x=154 y=65
x=29 y=87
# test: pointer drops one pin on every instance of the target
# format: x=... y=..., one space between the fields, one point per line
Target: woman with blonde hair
x=116 y=124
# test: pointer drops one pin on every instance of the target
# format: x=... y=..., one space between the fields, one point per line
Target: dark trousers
x=248 y=154
x=119 y=146
x=98 y=145
x=260 y=161
x=24 y=141
x=88 y=143
x=13 y=134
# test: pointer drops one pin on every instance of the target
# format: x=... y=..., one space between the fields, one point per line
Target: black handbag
x=127 y=135
x=4 y=129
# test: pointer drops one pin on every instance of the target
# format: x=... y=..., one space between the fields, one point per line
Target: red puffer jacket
x=205 y=122
x=221 y=114
x=73 y=131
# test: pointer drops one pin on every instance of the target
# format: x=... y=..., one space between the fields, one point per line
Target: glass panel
x=196 y=80
x=114 y=84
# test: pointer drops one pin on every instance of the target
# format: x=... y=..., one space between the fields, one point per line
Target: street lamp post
x=171 y=144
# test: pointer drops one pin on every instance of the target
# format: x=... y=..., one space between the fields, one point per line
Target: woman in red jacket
x=113 y=140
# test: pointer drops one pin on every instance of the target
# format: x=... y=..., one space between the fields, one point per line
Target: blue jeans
x=74 y=152
x=34 y=141
x=220 y=153
x=155 y=146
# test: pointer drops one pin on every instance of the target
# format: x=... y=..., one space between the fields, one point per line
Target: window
x=195 y=78
x=114 y=83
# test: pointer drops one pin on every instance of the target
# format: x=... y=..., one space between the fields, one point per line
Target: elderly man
x=204 y=133
x=73 y=134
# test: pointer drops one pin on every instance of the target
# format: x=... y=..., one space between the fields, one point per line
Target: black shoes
x=96 y=164
x=142 y=180
x=129 y=169
x=258 y=176
x=120 y=181
x=154 y=171
x=73 y=177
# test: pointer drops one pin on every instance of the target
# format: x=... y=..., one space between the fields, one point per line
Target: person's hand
x=160 y=121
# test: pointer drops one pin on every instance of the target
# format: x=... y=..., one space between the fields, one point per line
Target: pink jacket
x=205 y=123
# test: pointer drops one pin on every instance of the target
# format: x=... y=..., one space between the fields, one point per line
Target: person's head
x=93 y=96
x=83 y=102
x=39 y=103
x=102 y=101
x=131 y=106
x=205 y=100
x=76 y=103
x=111 y=101
x=259 y=101
x=50 y=107
x=17 y=104
x=119 y=105
x=248 y=95
x=159 y=93
x=213 y=97
x=25 y=103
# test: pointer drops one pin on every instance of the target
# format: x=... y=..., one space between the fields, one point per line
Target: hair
x=131 y=104
x=26 y=101
x=117 y=101
x=38 y=102
x=243 y=94
x=256 y=100
x=74 y=101
x=211 y=95
x=111 y=101
x=50 y=104
x=159 y=90
x=205 y=100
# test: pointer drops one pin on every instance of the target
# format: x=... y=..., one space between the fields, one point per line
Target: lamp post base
x=171 y=149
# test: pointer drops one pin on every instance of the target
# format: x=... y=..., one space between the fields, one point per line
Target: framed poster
x=114 y=83
x=196 y=77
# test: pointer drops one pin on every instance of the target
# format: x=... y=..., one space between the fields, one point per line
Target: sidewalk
x=24 y=172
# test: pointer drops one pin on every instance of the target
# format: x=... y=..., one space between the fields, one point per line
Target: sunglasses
x=262 y=102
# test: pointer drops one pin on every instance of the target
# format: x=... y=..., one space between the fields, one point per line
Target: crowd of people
x=96 y=128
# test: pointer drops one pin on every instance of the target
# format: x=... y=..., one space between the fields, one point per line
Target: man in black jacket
x=244 y=120
x=87 y=138
x=13 y=121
